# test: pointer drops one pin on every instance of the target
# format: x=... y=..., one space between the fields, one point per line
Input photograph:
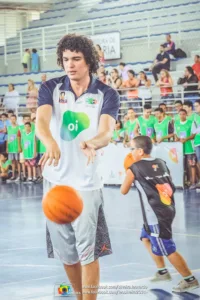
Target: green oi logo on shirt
x=91 y=101
x=73 y=123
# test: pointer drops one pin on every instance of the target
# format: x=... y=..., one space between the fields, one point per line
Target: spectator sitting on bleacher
x=144 y=91
x=32 y=95
x=26 y=60
x=115 y=80
x=190 y=84
x=11 y=98
x=124 y=71
x=132 y=82
x=162 y=61
x=34 y=61
x=169 y=46
x=196 y=66
x=165 y=83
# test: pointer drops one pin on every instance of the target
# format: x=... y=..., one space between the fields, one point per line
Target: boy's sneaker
x=29 y=180
x=17 y=179
x=185 y=286
x=158 y=277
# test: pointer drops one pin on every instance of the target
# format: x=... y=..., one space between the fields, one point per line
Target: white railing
x=125 y=101
x=45 y=38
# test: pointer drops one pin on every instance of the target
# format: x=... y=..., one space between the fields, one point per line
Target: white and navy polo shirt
x=75 y=120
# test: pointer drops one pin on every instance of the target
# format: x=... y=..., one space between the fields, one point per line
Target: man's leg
x=156 y=70
x=74 y=275
x=90 y=277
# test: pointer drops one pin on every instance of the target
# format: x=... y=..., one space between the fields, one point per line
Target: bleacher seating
x=142 y=24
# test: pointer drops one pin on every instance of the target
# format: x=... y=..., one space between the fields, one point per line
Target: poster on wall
x=112 y=167
x=109 y=43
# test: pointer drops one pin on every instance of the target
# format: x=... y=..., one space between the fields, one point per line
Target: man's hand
x=89 y=151
x=52 y=154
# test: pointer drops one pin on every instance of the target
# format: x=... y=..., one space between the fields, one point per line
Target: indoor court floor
x=27 y=273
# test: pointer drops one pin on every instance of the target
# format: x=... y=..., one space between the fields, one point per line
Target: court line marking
x=25 y=248
x=59 y=266
x=132 y=229
x=102 y=284
x=28 y=265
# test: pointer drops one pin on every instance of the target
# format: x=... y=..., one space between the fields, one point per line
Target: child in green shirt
x=28 y=142
x=5 y=167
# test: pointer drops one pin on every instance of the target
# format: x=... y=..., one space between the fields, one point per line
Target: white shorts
x=85 y=239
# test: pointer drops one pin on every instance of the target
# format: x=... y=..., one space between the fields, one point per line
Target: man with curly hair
x=76 y=117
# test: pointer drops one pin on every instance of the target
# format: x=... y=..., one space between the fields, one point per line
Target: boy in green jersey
x=28 y=141
x=118 y=133
x=145 y=123
x=183 y=134
x=130 y=127
x=164 y=128
x=188 y=106
x=26 y=119
x=13 y=146
x=5 y=167
x=178 y=106
x=197 y=136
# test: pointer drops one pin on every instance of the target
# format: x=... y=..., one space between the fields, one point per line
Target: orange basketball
x=128 y=161
x=62 y=204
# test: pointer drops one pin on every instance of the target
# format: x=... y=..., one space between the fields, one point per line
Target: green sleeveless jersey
x=22 y=127
x=184 y=130
x=28 y=144
x=191 y=117
x=40 y=147
x=117 y=134
x=197 y=136
x=130 y=127
x=13 y=145
x=176 y=117
x=161 y=128
x=147 y=126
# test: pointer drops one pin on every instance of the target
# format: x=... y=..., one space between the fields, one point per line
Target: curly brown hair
x=79 y=43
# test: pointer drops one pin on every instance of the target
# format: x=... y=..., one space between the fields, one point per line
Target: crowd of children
x=183 y=127
x=20 y=150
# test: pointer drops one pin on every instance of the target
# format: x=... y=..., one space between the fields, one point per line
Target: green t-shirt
x=197 y=136
x=26 y=58
x=146 y=126
x=40 y=147
x=184 y=130
x=6 y=164
x=13 y=145
x=28 y=144
x=162 y=128
x=130 y=127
